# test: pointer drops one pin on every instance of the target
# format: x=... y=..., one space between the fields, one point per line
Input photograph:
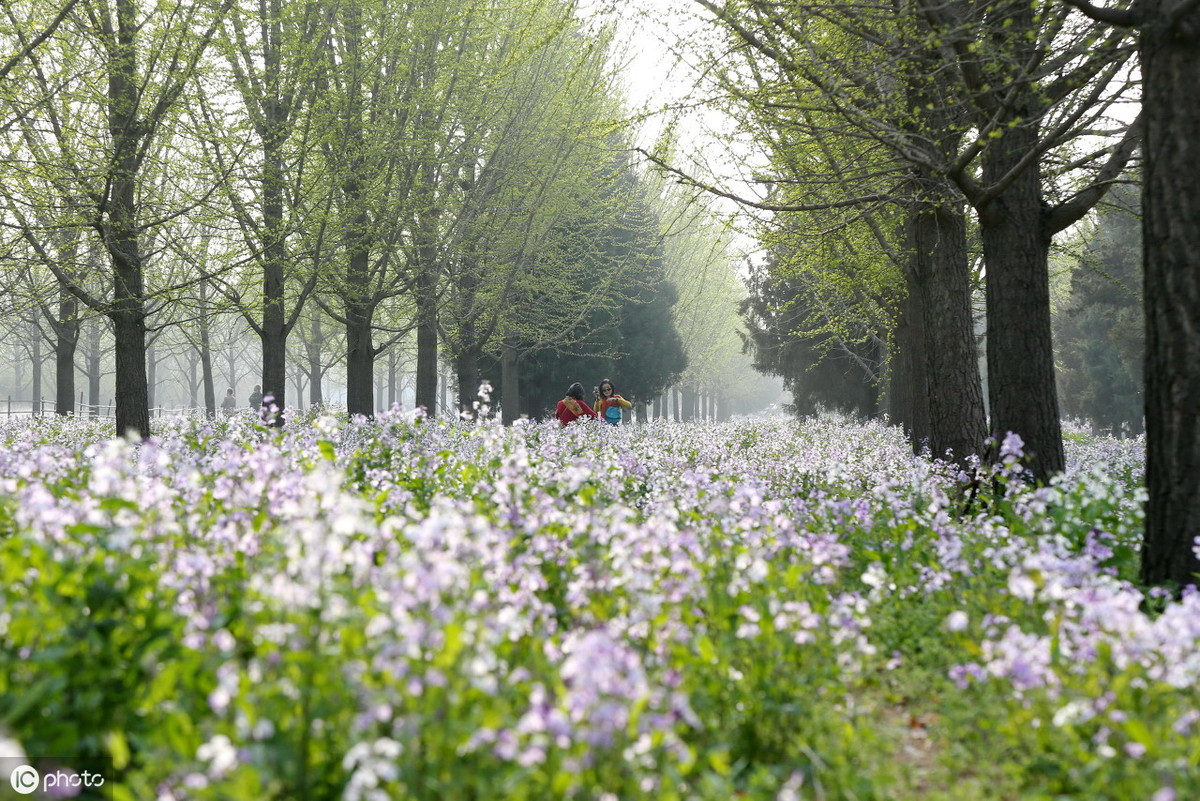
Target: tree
x=1169 y=51
x=31 y=32
x=629 y=333
x=1170 y=59
x=103 y=182
x=1100 y=334
x=822 y=369
x=539 y=164
x=271 y=51
x=1023 y=82
x=831 y=183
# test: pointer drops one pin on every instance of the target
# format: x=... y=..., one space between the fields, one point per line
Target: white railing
x=17 y=407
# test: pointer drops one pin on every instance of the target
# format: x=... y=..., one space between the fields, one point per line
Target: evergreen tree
x=1101 y=333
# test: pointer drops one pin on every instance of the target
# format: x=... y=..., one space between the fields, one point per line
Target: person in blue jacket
x=608 y=403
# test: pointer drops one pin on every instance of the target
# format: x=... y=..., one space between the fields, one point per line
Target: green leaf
x=118 y=748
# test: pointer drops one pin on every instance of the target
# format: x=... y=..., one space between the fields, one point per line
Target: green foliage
x=821 y=369
x=1100 y=334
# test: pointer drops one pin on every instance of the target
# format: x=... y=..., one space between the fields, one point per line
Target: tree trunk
x=93 y=366
x=1015 y=229
x=312 y=352
x=393 y=360
x=510 y=384
x=274 y=324
x=957 y=425
x=1022 y=394
x=360 y=360
x=66 y=340
x=908 y=394
x=208 y=379
x=1170 y=61
x=133 y=410
x=151 y=375
x=120 y=230
x=427 y=342
x=35 y=347
x=466 y=366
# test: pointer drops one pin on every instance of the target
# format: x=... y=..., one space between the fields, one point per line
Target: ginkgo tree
x=97 y=104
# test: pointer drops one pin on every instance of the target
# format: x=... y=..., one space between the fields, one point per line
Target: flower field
x=404 y=609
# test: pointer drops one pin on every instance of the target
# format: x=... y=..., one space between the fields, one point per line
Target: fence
x=42 y=407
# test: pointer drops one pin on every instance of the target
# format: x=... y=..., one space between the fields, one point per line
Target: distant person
x=256 y=398
x=609 y=404
x=228 y=403
x=573 y=406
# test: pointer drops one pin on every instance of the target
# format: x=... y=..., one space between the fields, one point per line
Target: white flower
x=875 y=575
x=957 y=621
x=220 y=754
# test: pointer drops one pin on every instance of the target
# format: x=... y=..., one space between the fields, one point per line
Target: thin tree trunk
x=392 y=365
x=206 y=361
x=1170 y=61
x=466 y=366
x=315 y=369
x=35 y=347
x=510 y=384
x=66 y=340
x=151 y=375
x=427 y=343
x=93 y=361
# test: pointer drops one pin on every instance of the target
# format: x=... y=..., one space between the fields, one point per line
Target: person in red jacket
x=573 y=406
x=609 y=404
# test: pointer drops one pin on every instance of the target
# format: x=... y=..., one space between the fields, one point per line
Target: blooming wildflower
x=1186 y=722
x=1073 y=713
x=957 y=621
x=220 y=755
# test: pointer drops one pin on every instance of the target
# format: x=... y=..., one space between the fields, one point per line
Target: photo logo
x=24 y=779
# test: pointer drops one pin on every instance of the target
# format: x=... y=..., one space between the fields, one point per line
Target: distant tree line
x=339 y=181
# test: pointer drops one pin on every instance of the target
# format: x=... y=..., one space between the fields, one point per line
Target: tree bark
x=65 y=342
x=908 y=392
x=393 y=363
x=274 y=323
x=360 y=359
x=1022 y=394
x=93 y=366
x=316 y=371
x=957 y=425
x=132 y=392
x=510 y=386
x=35 y=348
x=207 y=378
x=119 y=229
x=151 y=375
x=1170 y=62
x=466 y=366
x=427 y=342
